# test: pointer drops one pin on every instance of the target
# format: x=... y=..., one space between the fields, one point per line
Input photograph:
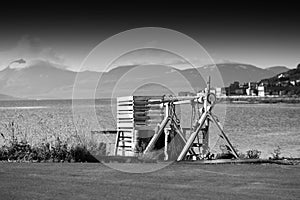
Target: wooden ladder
x=121 y=143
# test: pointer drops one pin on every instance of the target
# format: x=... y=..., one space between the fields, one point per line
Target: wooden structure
x=137 y=119
x=148 y=123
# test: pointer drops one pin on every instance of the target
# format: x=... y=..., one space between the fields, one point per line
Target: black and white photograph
x=149 y=100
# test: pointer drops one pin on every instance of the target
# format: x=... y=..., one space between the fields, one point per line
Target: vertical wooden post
x=167 y=132
x=117 y=143
x=205 y=130
x=123 y=144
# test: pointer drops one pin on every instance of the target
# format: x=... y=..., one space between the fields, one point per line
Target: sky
x=262 y=34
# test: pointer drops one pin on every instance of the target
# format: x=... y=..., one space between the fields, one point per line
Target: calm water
x=264 y=127
x=249 y=126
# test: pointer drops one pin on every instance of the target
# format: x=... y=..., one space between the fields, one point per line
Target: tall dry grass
x=44 y=135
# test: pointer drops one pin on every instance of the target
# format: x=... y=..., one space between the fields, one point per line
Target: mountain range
x=45 y=80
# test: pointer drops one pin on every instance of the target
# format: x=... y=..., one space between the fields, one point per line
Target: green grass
x=177 y=181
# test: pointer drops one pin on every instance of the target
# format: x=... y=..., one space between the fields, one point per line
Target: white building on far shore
x=261 y=91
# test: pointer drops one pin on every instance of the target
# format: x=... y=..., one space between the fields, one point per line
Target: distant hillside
x=7 y=97
x=290 y=77
x=47 y=80
x=278 y=69
x=243 y=72
x=229 y=72
x=35 y=80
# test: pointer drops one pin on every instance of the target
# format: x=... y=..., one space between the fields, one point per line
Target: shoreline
x=258 y=100
x=221 y=99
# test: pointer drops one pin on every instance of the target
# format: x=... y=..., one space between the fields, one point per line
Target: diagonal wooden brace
x=191 y=139
x=224 y=136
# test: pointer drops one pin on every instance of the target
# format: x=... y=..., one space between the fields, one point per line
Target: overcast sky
x=261 y=34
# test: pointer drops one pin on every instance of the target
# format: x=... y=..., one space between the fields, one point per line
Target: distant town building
x=281 y=76
x=261 y=91
x=220 y=92
x=252 y=89
x=284 y=84
x=236 y=89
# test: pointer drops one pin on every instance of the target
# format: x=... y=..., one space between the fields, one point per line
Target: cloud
x=30 y=48
x=150 y=56
x=52 y=55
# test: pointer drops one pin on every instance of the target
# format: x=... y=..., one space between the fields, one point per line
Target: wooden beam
x=224 y=136
x=156 y=135
x=191 y=139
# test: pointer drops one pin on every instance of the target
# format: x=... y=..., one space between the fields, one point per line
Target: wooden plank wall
x=134 y=113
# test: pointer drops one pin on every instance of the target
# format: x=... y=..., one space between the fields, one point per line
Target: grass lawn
x=176 y=181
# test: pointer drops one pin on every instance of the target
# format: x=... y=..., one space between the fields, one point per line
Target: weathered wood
x=191 y=139
x=225 y=137
x=124 y=121
x=117 y=143
x=127 y=98
x=124 y=129
x=123 y=108
x=125 y=116
x=136 y=113
x=125 y=125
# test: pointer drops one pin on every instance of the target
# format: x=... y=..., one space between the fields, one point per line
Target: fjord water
x=264 y=127
x=249 y=126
